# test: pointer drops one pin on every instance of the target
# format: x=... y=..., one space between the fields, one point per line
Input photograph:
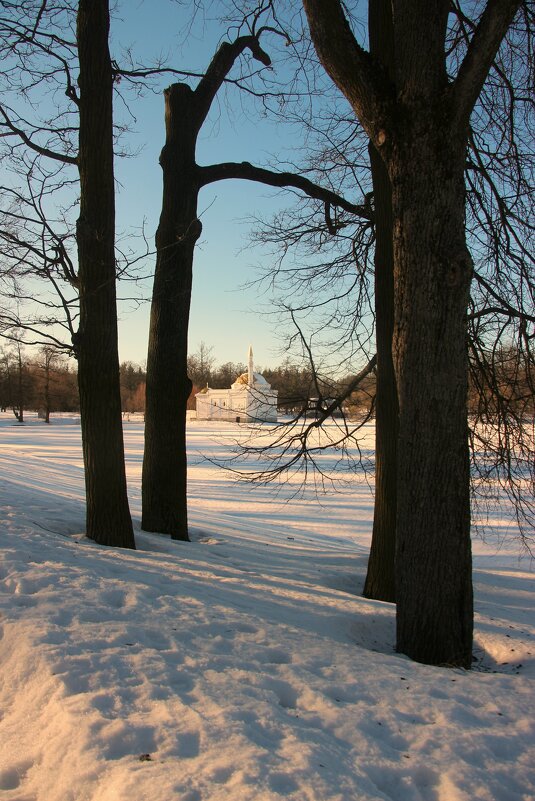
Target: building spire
x=250 y=372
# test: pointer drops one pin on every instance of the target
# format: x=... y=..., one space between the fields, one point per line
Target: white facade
x=249 y=399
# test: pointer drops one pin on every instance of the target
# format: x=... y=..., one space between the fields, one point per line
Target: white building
x=249 y=399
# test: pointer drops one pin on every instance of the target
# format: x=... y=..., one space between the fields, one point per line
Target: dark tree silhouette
x=380 y=577
x=496 y=173
x=168 y=386
x=108 y=515
x=420 y=117
x=40 y=56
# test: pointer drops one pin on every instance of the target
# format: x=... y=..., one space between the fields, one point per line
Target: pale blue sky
x=222 y=314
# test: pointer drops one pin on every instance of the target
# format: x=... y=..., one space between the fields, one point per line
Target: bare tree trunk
x=19 y=414
x=433 y=271
x=419 y=124
x=380 y=578
x=164 y=482
x=168 y=385
x=108 y=515
x=47 y=358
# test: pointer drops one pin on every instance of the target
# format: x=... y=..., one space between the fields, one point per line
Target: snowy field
x=243 y=666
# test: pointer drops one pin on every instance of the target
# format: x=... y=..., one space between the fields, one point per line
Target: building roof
x=257 y=379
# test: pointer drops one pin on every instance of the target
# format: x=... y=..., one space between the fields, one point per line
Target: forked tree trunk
x=418 y=120
x=433 y=270
x=164 y=482
x=380 y=578
x=108 y=516
x=168 y=385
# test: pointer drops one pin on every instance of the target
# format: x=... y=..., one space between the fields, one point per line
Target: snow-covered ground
x=244 y=665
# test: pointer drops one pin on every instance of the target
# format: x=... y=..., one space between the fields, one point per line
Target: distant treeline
x=295 y=384
x=47 y=382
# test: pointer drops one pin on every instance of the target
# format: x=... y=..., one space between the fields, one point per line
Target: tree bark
x=168 y=386
x=108 y=519
x=433 y=270
x=380 y=577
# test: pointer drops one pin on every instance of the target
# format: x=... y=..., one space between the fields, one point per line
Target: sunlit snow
x=243 y=666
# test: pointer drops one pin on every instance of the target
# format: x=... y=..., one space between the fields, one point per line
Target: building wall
x=262 y=404
x=257 y=404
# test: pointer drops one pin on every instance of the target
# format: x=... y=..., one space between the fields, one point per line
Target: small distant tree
x=200 y=365
x=137 y=401
x=295 y=385
x=226 y=374
x=48 y=359
x=4 y=382
x=17 y=381
x=132 y=377
x=55 y=385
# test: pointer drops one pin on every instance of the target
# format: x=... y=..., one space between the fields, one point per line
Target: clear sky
x=224 y=314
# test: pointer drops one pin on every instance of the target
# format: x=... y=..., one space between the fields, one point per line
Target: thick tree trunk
x=432 y=280
x=380 y=577
x=108 y=515
x=418 y=120
x=168 y=385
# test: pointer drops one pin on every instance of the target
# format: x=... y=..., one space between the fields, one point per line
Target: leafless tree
x=419 y=395
x=432 y=275
x=42 y=52
x=168 y=385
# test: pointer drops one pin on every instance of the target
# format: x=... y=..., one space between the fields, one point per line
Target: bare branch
x=249 y=172
x=43 y=151
x=481 y=52
x=357 y=75
x=221 y=65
